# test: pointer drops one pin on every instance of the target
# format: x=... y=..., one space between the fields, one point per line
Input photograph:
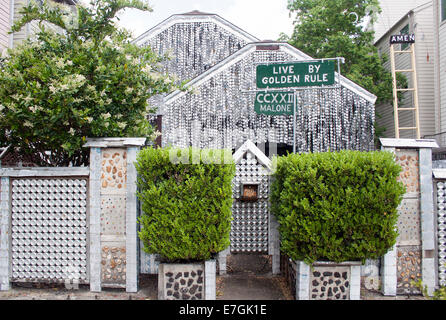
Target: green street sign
x=304 y=74
x=274 y=103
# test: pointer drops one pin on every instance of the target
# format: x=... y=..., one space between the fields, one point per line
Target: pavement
x=248 y=278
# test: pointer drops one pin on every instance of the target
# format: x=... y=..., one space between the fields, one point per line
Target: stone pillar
x=113 y=213
x=274 y=243
x=302 y=281
x=210 y=290
x=95 y=219
x=222 y=258
x=427 y=220
x=5 y=204
x=412 y=258
x=355 y=282
x=388 y=273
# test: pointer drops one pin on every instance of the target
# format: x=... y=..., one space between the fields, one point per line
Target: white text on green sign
x=274 y=103
x=304 y=74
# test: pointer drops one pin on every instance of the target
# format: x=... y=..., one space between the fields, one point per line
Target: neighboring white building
x=9 y=12
x=417 y=20
x=439 y=76
x=5 y=23
x=391 y=12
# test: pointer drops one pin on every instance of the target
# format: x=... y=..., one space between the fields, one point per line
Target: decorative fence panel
x=49 y=229
x=440 y=206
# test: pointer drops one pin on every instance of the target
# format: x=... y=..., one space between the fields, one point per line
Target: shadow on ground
x=249 y=278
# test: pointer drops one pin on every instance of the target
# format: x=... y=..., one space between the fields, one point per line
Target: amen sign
x=302 y=74
x=402 y=38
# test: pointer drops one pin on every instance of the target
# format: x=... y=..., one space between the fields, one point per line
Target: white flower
x=28 y=124
x=106 y=115
x=28 y=99
x=17 y=97
x=52 y=89
x=147 y=69
x=129 y=90
x=89 y=119
x=122 y=125
x=1 y=108
x=60 y=63
x=72 y=131
x=33 y=109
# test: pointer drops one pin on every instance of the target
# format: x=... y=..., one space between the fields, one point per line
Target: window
x=405 y=30
x=443 y=10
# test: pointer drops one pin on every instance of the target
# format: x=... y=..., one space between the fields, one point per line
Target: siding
x=391 y=12
x=442 y=66
x=425 y=59
x=31 y=28
x=422 y=18
x=22 y=34
x=4 y=24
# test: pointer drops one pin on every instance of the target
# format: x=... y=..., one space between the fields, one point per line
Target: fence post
x=5 y=204
x=113 y=213
x=415 y=246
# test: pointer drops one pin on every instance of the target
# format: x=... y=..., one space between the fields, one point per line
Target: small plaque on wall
x=250 y=192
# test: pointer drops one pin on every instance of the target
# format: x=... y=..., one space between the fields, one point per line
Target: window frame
x=406 y=30
x=442 y=10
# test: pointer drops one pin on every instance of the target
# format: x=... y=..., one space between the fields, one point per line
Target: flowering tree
x=87 y=80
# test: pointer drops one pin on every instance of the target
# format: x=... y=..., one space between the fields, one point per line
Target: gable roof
x=195 y=16
x=250 y=146
x=252 y=47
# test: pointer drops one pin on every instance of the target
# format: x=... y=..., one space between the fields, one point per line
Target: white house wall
x=424 y=32
x=195 y=45
x=4 y=24
x=420 y=23
x=442 y=70
x=222 y=110
x=392 y=11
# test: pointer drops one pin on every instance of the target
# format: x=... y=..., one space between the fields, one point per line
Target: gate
x=250 y=210
x=254 y=229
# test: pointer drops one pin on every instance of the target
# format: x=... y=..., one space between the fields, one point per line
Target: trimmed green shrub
x=336 y=206
x=186 y=207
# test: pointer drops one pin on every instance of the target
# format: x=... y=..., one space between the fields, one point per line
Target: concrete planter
x=327 y=280
x=192 y=281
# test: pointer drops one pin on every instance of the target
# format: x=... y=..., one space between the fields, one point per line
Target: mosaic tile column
x=412 y=258
x=113 y=213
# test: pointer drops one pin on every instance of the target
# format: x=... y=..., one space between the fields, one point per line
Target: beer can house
x=231 y=102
